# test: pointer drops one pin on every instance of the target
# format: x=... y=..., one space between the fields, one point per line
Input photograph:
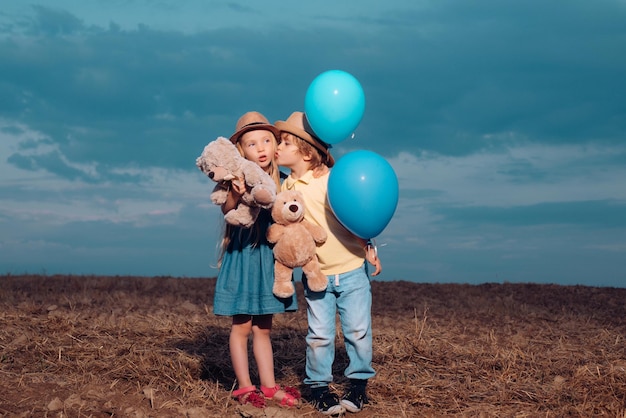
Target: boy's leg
x=320 y=350
x=320 y=339
x=355 y=305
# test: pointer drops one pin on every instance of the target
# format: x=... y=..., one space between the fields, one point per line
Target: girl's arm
x=236 y=190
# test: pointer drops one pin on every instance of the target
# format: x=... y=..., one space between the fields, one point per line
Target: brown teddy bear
x=221 y=162
x=294 y=241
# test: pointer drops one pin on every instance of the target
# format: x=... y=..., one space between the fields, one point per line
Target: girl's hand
x=236 y=190
x=238 y=186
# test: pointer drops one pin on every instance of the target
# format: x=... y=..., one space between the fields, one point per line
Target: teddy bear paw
x=263 y=197
x=244 y=219
x=318 y=284
x=283 y=290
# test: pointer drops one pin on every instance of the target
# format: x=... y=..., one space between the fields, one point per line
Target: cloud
x=53 y=222
x=453 y=89
x=504 y=123
x=54 y=22
x=603 y=214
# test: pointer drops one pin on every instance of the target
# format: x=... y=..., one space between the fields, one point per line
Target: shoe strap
x=270 y=392
x=243 y=391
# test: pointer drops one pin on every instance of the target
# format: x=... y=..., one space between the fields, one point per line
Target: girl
x=245 y=279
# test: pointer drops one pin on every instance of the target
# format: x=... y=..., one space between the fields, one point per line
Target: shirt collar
x=306 y=179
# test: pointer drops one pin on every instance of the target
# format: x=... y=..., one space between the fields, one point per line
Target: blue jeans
x=350 y=294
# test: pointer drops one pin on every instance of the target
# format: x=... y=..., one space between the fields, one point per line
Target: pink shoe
x=249 y=395
x=290 y=398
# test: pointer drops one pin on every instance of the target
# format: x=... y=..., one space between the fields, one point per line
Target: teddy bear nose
x=293 y=208
x=211 y=174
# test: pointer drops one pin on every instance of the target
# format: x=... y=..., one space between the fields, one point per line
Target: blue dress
x=246 y=276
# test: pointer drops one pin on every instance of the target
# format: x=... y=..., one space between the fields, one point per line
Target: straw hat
x=298 y=125
x=253 y=121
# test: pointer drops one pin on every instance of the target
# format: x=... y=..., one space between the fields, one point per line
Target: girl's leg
x=238 y=342
x=264 y=356
x=262 y=348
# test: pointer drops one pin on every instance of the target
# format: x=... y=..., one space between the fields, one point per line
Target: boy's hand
x=371 y=255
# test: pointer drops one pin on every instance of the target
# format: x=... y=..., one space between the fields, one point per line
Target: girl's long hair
x=229 y=230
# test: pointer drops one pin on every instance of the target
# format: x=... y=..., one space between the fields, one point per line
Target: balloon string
x=372 y=243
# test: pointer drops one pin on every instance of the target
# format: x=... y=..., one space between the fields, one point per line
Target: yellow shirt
x=342 y=251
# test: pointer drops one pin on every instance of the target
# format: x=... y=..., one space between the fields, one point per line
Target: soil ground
x=87 y=346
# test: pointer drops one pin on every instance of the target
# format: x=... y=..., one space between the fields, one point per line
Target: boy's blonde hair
x=317 y=160
x=298 y=125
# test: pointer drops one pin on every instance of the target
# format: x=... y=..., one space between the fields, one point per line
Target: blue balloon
x=363 y=192
x=334 y=105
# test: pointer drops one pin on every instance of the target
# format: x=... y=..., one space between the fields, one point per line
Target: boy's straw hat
x=298 y=125
x=253 y=121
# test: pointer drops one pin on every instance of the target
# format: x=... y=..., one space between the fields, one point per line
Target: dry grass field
x=77 y=346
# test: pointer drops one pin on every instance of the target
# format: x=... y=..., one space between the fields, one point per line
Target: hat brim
x=304 y=135
x=255 y=127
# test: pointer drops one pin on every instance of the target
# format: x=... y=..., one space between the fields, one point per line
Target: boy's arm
x=371 y=255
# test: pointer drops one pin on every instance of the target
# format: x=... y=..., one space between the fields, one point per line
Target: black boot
x=325 y=401
x=356 y=396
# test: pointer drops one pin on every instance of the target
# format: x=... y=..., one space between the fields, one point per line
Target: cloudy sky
x=504 y=121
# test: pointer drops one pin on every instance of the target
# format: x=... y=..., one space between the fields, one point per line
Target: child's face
x=258 y=146
x=287 y=153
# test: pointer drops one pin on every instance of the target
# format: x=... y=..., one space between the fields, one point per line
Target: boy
x=342 y=259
